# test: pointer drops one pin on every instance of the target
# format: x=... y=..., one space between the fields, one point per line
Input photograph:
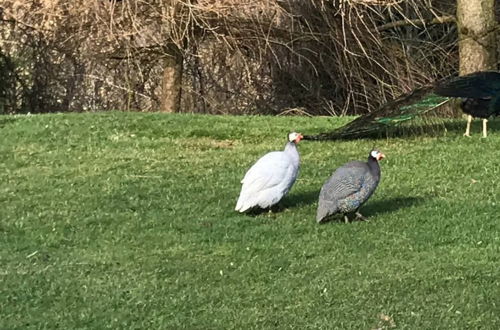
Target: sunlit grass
x=124 y=220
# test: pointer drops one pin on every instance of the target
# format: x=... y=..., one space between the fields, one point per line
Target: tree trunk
x=476 y=35
x=172 y=82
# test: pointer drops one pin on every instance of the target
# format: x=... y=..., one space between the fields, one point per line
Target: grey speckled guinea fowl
x=349 y=187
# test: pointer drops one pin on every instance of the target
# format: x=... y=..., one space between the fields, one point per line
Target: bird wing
x=480 y=89
x=269 y=171
x=345 y=181
x=495 y=105
x=475 y=85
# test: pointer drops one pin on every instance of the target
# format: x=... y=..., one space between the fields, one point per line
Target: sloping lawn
x=126 y=221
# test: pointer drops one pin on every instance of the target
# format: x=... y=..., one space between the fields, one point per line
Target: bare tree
x=225 y=56
x=477 y=38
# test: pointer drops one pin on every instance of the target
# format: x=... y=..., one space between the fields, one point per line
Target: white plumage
x=271 y=177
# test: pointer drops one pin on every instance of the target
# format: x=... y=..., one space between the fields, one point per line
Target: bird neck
x=374 y=166
x=291 y=148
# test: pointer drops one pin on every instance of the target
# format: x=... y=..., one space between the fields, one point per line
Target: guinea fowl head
x=376 y=154
x=295 y=137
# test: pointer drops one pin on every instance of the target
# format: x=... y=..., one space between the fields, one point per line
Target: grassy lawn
x=126 y=221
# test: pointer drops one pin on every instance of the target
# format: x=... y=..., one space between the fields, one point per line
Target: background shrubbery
x=232 y=56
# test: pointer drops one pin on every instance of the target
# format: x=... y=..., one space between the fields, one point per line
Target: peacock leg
x=467 y=130
x=485 y=129
x=346 y=218
x=360 y=216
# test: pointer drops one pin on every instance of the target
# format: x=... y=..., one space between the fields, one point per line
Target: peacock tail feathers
x=396 y=116
x=407 y=112
x=483 y=84
x=418 y=111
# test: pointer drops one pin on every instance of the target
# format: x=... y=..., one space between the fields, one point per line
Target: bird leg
x=346 y=218
x=485 y=128
x=467 y=130
x=360 y=216
x=276 y=208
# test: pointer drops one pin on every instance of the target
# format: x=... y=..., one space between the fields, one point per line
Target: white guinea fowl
x=271 y=177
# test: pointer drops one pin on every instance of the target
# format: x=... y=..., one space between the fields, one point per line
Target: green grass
x=125 y=220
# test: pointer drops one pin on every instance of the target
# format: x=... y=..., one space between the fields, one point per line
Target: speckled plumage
x=348 y=188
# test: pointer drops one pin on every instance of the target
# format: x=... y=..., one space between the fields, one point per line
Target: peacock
x=480 y=93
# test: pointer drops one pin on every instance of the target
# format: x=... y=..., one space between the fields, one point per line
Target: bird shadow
x=382 y=206
x=369 y=210
x=430 y=129
x=290 y=201
x=301 y=198
x=392 y=205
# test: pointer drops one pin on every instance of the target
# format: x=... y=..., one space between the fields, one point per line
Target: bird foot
x=467 y=134
x=361 y=217
x=276 y=208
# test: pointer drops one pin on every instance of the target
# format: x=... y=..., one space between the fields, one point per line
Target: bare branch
x=417 y=22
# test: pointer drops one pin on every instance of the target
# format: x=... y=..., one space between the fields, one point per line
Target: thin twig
x=417 y=22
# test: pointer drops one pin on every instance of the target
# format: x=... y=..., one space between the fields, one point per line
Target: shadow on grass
x=391 y=205
x=380 y=207
x=300 y=198
x=290 y=201
x=6 y=120
x=451 y=126
x=371 y=209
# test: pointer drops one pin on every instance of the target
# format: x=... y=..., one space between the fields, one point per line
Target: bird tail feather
x=325 y=209
x=396 y=117
x=394 y=114
x=241 y=206
x=483 y=84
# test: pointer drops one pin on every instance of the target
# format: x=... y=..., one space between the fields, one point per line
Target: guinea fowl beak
x=298 y=138
x=380 y=156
